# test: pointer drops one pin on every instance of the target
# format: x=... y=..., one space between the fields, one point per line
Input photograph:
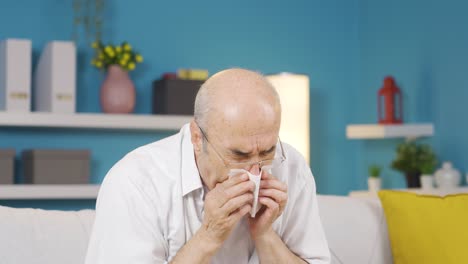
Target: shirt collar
x=189 y=172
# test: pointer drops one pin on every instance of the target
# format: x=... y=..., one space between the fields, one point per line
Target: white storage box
x=15 y=75
x=55 y=78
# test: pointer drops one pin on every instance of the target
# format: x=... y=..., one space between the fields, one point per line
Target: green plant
x=122 y=55
x=374 y=170
x=414 y=158
x=428 y=163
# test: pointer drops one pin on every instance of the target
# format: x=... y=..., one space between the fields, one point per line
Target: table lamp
x=293 y=90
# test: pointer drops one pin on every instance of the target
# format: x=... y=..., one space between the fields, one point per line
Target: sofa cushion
x=356 y=230
x=44 y=237
x=427 y=229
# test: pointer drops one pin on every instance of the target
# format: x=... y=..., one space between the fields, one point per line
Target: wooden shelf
x=52 y=191
x=375 y=131
x=94 y=121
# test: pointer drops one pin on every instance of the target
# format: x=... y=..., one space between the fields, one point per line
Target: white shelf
x=94 y=121
x=375 y=131
x=52 y=191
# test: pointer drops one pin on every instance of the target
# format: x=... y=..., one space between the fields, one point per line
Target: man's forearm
x=199 y=249
x=271 y=249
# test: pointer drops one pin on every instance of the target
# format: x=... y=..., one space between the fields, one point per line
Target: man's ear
x=196 y=136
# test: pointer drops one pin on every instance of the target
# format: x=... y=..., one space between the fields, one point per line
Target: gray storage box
x=7 y=161
x=50 y=166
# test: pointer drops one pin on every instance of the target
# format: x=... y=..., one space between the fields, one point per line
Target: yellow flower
x=139 y=58
x=110 y=51
x=127 y=47
x=122 y=55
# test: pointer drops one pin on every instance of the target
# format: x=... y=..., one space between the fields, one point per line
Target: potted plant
x=117 y=90
x=410 y=159
x=373 y=181
x=427 y=167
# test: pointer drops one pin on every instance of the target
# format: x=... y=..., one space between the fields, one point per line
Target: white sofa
x=355 y=229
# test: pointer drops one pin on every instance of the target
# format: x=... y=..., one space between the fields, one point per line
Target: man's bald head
x=237 y=97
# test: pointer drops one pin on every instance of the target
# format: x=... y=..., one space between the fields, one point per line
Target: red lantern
x=390 y=103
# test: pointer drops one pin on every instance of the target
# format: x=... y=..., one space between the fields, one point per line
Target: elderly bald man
x=188 y=198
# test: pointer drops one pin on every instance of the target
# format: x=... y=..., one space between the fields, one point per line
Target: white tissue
x=255 y=179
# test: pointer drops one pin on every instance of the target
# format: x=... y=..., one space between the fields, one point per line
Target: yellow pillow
x=426 y=229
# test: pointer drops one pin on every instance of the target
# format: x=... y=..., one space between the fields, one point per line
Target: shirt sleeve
x=303 y=232
x=126 y=225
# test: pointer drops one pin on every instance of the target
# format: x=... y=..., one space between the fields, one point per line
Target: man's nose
x=255 y=169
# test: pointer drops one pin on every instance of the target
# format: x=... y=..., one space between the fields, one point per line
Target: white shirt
x=151 y=203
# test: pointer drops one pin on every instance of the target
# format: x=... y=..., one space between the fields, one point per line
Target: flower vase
x=117 y=92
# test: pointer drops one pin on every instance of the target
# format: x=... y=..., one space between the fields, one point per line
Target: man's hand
x=273 y=195
x=225 y=205
x=270 y=248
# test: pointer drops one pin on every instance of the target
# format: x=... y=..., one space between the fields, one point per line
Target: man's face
x=236 y=148
x=240 y=129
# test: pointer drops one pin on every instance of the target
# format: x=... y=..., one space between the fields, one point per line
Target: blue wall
x=318 y=38
x=346 y=47
x=424 y=44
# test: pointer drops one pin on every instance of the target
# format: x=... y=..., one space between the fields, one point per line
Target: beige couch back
x=355 y=228
x=32 y=236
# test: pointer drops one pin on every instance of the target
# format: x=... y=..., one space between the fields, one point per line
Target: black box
x=175 y=96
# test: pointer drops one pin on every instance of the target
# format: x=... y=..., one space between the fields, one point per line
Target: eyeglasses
x=245 y=165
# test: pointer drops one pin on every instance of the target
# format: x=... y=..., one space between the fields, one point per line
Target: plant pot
x=117 y=92
x=373 y=184
x=412 y=180
x=427 y=182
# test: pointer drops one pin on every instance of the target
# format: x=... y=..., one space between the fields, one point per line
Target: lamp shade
x=293 y=90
